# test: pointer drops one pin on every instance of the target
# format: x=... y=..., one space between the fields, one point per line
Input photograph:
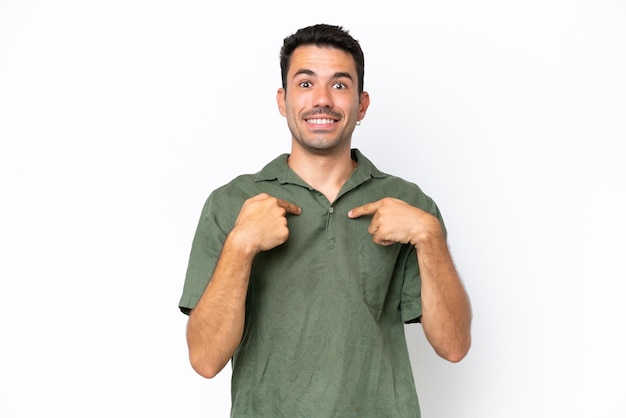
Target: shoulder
x=240 y=186
x=400 y=188
x=406 y=190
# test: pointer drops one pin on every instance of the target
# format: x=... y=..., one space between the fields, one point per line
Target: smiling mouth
x=321 y=116
x=318 y=121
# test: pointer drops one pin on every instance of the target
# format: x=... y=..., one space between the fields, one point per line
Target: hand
x=262 y=222
x=396 y=221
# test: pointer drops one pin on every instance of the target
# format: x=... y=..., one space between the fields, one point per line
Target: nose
x=322 y=97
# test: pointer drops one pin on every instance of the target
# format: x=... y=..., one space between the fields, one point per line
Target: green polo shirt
x=325 y=312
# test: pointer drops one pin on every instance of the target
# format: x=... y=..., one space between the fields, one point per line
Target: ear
x=280 y=100
x=364 y=103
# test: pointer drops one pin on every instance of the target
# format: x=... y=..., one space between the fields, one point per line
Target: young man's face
x=321 y=101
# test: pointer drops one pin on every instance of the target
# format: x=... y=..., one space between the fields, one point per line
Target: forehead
x=321 y=60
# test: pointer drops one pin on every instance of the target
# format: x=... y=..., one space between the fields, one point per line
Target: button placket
x=330 y=229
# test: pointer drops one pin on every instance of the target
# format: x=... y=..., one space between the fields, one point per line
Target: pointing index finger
x=366 y=209
x=289 y=207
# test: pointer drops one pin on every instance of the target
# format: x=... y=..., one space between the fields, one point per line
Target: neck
x=325 y=173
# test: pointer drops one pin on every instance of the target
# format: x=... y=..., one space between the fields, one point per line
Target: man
x=305 y=273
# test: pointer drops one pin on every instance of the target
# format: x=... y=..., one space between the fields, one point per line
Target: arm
x=446 y=312
x=215 y=326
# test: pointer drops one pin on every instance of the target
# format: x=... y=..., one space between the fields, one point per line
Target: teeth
x=320 y=121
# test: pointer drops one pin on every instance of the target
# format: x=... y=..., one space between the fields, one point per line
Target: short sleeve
x=205 y=251
x=411 y=302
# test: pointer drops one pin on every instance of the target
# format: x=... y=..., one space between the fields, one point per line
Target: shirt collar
x=279 y=170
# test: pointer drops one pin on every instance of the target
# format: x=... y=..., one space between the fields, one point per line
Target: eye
x=305 y=84
x=339 y=86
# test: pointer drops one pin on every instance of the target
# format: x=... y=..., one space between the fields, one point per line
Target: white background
x=118 y=118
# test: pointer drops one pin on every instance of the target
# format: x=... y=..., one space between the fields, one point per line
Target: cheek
x=294 y=102
x=348 y=104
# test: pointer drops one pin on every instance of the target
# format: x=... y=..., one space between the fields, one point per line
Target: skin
x=322 y=105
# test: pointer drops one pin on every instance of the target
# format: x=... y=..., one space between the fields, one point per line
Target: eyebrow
x=339 y=74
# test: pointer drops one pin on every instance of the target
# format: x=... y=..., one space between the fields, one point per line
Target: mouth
x=320 y=121
x=321 y=117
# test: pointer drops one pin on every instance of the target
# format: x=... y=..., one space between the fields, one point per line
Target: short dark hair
x=322 y=35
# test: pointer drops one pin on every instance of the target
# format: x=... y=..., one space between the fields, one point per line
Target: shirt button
x=331 y=210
